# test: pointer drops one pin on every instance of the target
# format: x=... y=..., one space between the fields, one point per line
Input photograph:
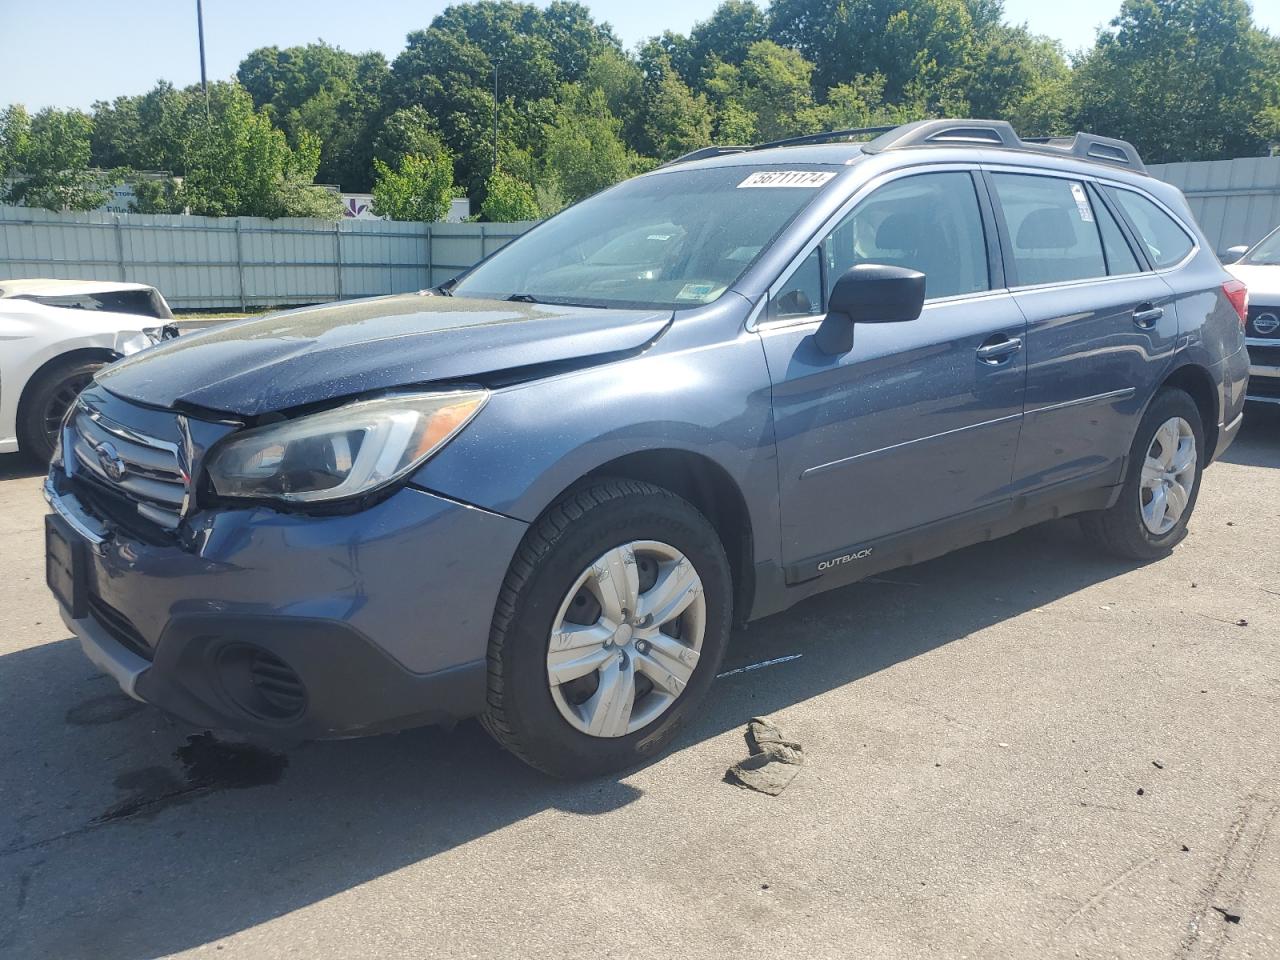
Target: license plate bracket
x=66 y=565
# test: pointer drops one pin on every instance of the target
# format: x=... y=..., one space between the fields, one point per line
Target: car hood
x=1263 y=282
x=285 y=360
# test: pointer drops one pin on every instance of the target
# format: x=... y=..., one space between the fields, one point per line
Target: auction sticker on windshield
x=786 y=178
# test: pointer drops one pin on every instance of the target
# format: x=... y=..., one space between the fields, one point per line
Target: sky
x=69 y=53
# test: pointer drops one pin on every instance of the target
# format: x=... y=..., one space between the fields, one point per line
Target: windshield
x=143 y=303
x=1267 y=252
x=676 y=239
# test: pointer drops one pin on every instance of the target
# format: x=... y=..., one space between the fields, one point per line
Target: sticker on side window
x=1082 y=203
x=786 y=178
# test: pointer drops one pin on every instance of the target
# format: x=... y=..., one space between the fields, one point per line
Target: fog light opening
x=261 y=684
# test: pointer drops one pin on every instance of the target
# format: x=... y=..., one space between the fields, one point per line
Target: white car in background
x=54 y=335
x=1259 y=268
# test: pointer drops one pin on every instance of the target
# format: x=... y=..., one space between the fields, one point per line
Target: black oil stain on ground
x=208 y=765
x=100 y=710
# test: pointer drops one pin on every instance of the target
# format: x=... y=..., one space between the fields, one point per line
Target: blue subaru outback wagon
x=543 y=492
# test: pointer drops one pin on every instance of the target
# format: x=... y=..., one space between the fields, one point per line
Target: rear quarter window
x=1166 y=241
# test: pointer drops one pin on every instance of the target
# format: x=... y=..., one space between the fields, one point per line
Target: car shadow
x=114 y=847
x=14 y=466
x=1258 y=444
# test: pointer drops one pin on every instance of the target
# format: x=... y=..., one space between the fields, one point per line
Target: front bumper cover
x=383 y=616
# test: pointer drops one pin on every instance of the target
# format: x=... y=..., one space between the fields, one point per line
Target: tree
x=143 y=132
x=1181 y=79
x=409 y=130
x=15 y=131
x=238 y=164
x=584 y=152
x=776 y=86
x=861 y=103
x=508 y=199
x=325 y=91
x=48 y=159
x=676 y=119
x=420 y=188
x=728 y=35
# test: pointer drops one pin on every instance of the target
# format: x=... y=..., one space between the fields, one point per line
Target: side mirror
x=869 y=293
x=1235 y=253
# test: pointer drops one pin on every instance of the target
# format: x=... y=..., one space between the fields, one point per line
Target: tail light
x=1238 y=294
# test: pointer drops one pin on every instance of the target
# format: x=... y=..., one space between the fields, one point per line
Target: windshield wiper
x=523 y=298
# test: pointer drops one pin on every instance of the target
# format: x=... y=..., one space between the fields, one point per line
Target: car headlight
x=345 y=452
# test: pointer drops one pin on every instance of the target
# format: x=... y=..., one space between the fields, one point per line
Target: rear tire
x=1144 y=524
x=653 y=535
x=45 y=401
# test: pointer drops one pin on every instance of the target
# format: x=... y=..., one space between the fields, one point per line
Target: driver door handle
x=1146 y=315
x=998 y=351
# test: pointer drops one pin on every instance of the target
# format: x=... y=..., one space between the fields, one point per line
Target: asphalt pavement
x=1023 y=749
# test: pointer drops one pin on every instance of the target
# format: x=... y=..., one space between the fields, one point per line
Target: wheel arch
x=712 y=491
x=1196 y=381
x=80 y=354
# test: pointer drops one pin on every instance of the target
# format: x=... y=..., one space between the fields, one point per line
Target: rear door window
x=1052 y=228
x=1166 y=242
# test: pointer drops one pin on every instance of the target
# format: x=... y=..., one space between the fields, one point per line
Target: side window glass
x=1052 y=227
x=1120 y=258
x=930 y=222
x=1166 y=242
x=801 y=296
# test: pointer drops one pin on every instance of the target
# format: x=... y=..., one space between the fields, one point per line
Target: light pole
x=204 y=79
x=495 y=117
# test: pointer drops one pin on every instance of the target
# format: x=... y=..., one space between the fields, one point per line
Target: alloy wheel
x=60 y=401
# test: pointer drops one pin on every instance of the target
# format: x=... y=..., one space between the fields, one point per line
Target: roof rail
x=827 y=137
x=994 y=134
x=999 y=134
x=703 y=152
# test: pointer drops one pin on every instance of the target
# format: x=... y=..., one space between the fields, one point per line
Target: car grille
x=142 y=470
x=1264 y=356
x=1264 y=322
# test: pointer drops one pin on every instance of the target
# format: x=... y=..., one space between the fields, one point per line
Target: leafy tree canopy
x=509 y=199
x=573 y=112
x=418 y=188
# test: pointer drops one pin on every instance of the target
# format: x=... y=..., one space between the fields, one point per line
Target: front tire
x=609 y=629
x=1161 y=484
x=46 y=400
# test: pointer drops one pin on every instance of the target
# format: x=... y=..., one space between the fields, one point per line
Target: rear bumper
x=372 y=621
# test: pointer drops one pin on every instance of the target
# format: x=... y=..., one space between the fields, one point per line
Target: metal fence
x=240 y=263
x=1236 y=201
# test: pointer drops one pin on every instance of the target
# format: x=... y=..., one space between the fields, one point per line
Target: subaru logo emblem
x=1265 y=324
x=110 y=461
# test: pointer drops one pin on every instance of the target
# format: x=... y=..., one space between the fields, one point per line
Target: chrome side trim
x=1124 y=394
x=810 y=471
x=68 y=508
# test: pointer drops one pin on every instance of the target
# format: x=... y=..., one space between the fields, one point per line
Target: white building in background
x=359 y=206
